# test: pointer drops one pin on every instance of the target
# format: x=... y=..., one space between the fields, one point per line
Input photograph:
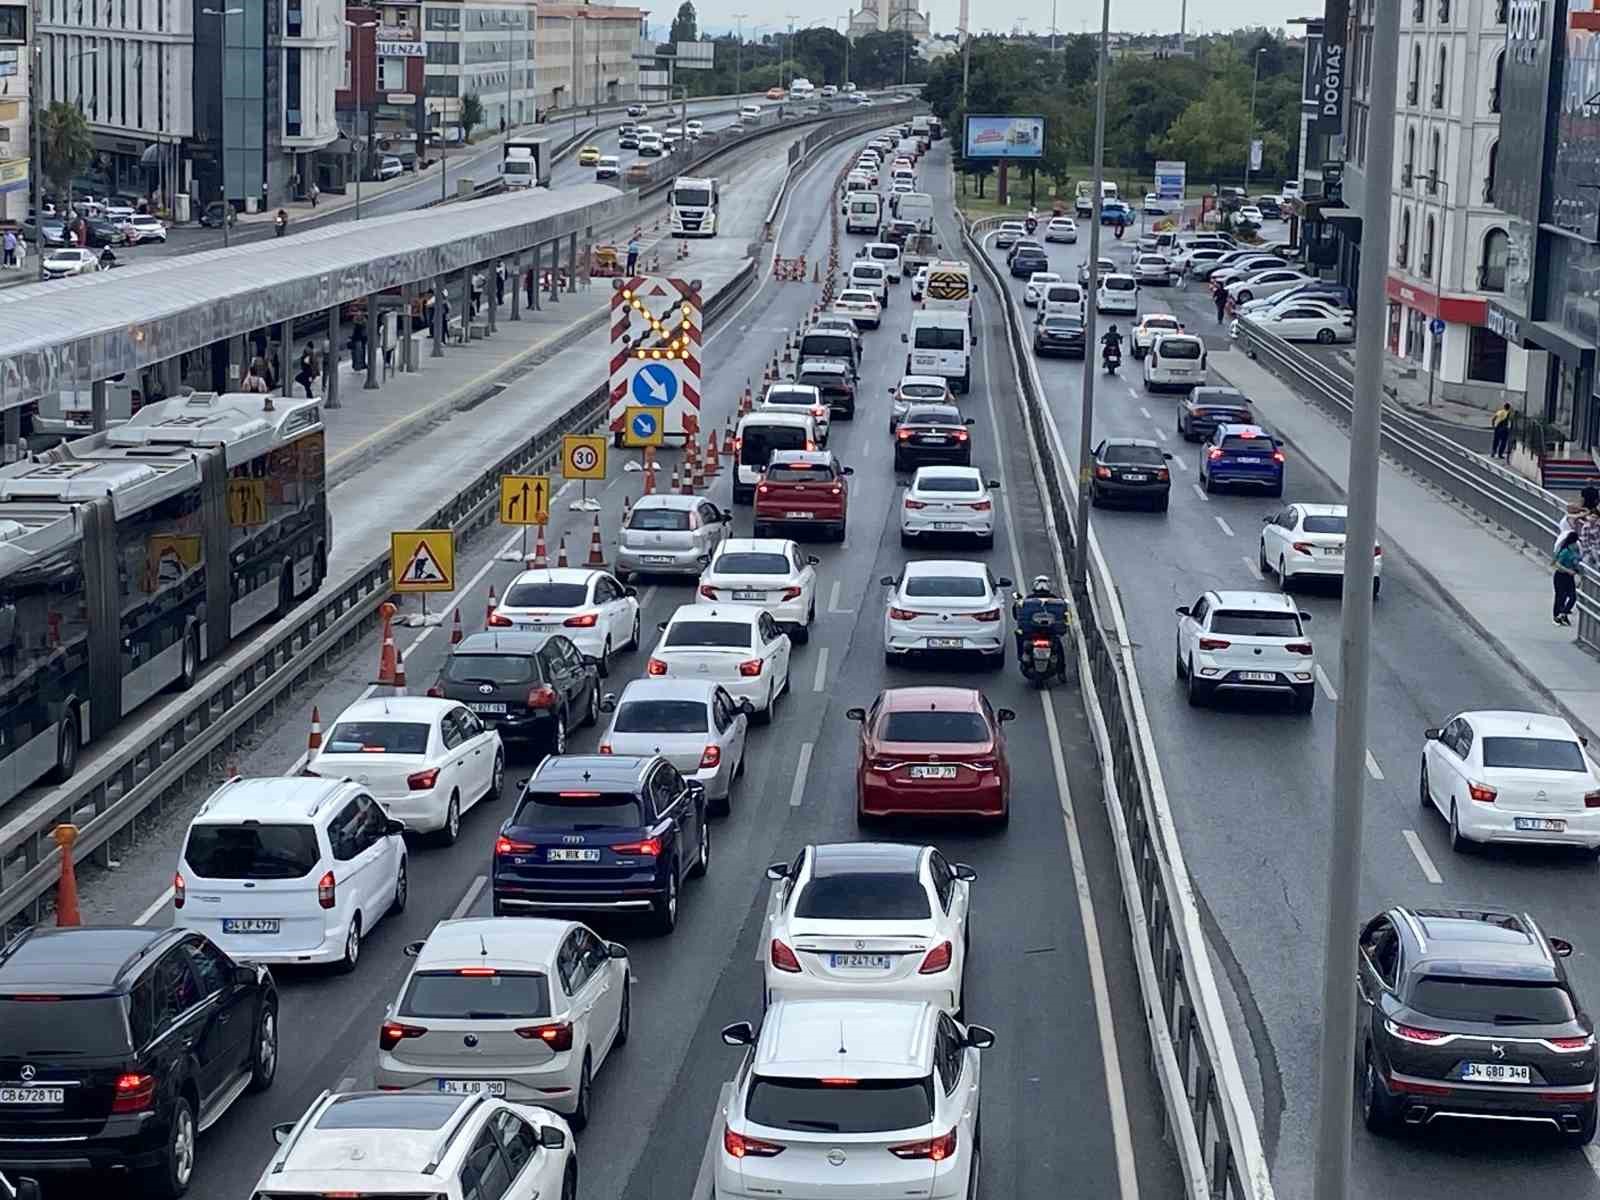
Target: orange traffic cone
x=687 y=486
x=649 y=473
x=455 y=629
x=627 y=511
x=713 y=466
x=597 y=553
x=541 y=556
x=314 y=738
x=488 y=612
x=699 y=484
x=675 y=487
x=399 y=674
x=386 y=656
x=561 y=555
x=67 y=890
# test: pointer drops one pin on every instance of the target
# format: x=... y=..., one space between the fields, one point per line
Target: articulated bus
x=130 y=557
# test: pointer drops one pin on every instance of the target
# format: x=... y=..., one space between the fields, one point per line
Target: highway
x=1067 y=1096
x=1250 y=784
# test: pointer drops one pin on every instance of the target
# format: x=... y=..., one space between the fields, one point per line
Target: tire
x=1305 y=699
x=1379 y=1111
x=1586 y=1125
x=799 y=635
x=664 y=912
x=285 y=595
x=1245 y=297
x=1377 y=586
x=624 y=1018
x=1178 y=671
x=605 y=660
x=760 y=530
x=1198 y=694
x=1285 y=580
x=1325 y=337
x=1161 y=504
x=633 y=641
x=579 y=1120
x=764 y=715
x=1277 y=491
x=264 y=1055
x=591 y=712
x=1261 y=560
x=171 y=1176
x=190 y=667
x=986 y=541
x=702 y=858
x=67 y=747
x=558 y=736
x=1206 y=483
x=907 y=540
x=451 y=829
x=402 y=888
x=569 y=1182
x=352 y=947
x=1424 y=800
x=1459 y=842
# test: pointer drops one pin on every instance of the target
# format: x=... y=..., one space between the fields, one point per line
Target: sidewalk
x=1503 y=590
x=1463 y=423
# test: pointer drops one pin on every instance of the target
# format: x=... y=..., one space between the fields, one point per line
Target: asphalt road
x=1068 y=1099
x=1250 y=785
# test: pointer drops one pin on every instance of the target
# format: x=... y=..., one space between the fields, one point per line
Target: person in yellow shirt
x=1501 y=422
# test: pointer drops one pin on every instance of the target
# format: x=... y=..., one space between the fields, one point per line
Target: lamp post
x=1436 y=260
x=738 y=53
x=355 y=72
x=787 y=52
x=222 y=14
x=1250 y=137
x=846 y=21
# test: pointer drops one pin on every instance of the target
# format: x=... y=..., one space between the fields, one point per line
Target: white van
x=940 y=343
x=864 y=213
x=1061 y=299
x=1119 y=293
x=871 y=276
x=758 y=435
x=903 y=175
x=1176 y=362
x=886 y=253
x=750 y=114
x=918 y=207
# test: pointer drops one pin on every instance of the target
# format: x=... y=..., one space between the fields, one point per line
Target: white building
x=888 y=16
x=16 y=76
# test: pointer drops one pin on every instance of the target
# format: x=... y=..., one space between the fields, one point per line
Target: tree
x=67 y=144
x=1210 y=134
x=685 y=26
x=471 y=115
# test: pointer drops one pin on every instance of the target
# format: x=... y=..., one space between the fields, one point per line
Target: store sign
x=402 y=49
x=1330 y=78
x=1507 y=326
x=1311 y=81
x=1527 y=28
x=396 y=33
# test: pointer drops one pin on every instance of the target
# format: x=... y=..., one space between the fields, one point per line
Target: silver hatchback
x=697 y=727
x=671 y=535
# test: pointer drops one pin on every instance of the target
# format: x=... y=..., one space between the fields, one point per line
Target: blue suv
x=602 y=833
x=1245 y=455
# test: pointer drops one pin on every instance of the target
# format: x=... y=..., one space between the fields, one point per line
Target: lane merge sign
x=423 y=560
x=583 y=456
x=524 y=499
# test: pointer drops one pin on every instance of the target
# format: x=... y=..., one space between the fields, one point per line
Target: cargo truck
x=526 y=163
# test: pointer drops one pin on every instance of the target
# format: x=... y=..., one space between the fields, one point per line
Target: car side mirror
x=980 y=1037
x=724 y=515
x=26 y=1188
x=608 y=702
x=1432 y=734
x=697 y=791
x=412 y=949
x=963 y=872
x=1306 y=617
x=391 y=826
x=1182 y=610
x=616 y=950
x=1562 y=947
x=888 y=581
x=889 y=390
x=1004 y=581
x=778 y=870
x=552 y=1138
x=905 y=338
x=244 y=976
x=855 y=714
x=738 y=1034
x=847 y=470
x=993 y=483
x=281 y=1131
x=812 y=560
x=661 y=626
x=630 y=591
x=1005 y=714
x=970 y=421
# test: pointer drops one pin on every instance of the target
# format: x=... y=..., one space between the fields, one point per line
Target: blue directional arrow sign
x=655 y=384
x=642 y=427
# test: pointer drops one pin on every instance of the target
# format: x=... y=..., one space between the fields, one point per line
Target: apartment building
x=16 y=76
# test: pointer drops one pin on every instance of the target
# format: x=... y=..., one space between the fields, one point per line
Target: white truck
x=693 y=207
x=1082 y=205
x=801 y=89
x=525 y=163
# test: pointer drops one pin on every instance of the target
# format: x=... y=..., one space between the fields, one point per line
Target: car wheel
x=579 y=1120
x=1459 y=842
x=633 y=639
x=170 y=1177
x=1325 y=336
x=352 y=947
x=1206 y=483
x=1261 y=559
x=66 y=751
x=1245 y=297
x=402 y=889
x=625 y=1016
x=1305 y=698
x=451 y=829
x=1197 y=693
x=1285 y=580
x=702 y=857
x=1161 y=504
x=1379 y=1112
x=1584 y=1134
x=1424 y=796
x=605 y=660
x=764 y=715
x=664 y=912
x=1377 y=586
x=591 y=711
x=264 y=1056
x=799 y=635
x=569 y=1182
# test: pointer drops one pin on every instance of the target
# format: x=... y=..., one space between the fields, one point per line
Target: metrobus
x=131 y=557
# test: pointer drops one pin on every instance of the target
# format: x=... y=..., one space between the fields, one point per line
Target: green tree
x=471 y=115
x=67 y=145
x=685 y=26
x=1210 y=134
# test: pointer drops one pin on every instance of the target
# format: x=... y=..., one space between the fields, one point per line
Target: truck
x=801 y=89
x=949 y=287
x=921 y=250
x=1081 y=202
x=921 y=127
x=525 y=163
x=693 y=207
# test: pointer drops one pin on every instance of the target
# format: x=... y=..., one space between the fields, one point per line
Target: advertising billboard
x=1326 y=75
x=1171 y=179
x=1533 y=30
x=991 y=136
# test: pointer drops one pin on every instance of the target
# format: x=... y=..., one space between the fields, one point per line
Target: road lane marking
x=1327 y=686
x=1224 y=526
x=821 y=679
x=144 y=917
x=1201 y=492
x=1373 y=769
x=346 y=1084
x=1420 y=853
x=798 y=792
x=1145 y=413
x=1592 y=1153
x=703 y=1178
x=833 y=598
x=1161 y=434
x=469 y=898
x=1180 y=464
x=1250 y=565
x=647 y=595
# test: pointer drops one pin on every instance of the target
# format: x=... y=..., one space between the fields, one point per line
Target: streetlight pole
x=222 y=14
x=788 y=52
x=1080 y=560
x=738 y=53
x=846 y=78
x=36 y=134
x=1250 y=138
x=1332 y=1174
x=355 y=53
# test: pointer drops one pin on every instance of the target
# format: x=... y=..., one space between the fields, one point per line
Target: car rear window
x=1324 y=525
x=886 y=253
x=841 y=1106
x=1180 y=348
x=476 y=996
x=578 y=810
x=933 y=725
x=1256 y=624
x=732 y=635
x=828 y=345
x=1063 y=325
x=922 y=391
x=545 y=593
x=971 y=587
x=799 y=473
x=1456 y=999
x=949 y=483
x=933 y=414
x=1142 y=455
x=761 y=440
x=866 y=271
x=863 y=896
x=488 y=668
x=410 y=1111
x=752 y=562
x=64 y=1027
x=1247 y=445
x=661 y=520
x=1533 y=754
x=378 y=737
x=1118 y=284
x=793 y=396
x=935 y=337
x=254 y=851
x=661 y=716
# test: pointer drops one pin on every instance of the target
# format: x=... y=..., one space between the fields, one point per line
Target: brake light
x=937 y=1149
x=134 y=1093
x=541 y=697
x=903 y=614
x=582 y=621
x=655 y=667
x=504 y=845
x=1214 y=453
x=1214 y=643
x=737 y=1145
x=961 y=435
x=903 y=433
x=178 y=887
x=557 y=1037
x=783 y=958
x=761 y=489
x=436 y=692
x=1102 y=472
x=1566 y=1045
x=1298 y=647
x=393 y=1033
x=884 y=764
x=648 y=848
x=1302 y=547
x=1377 y=551
x=791 y=593
x=421 y=781
x=1590 y=800
x=325 y=890
x=992 y=614
x=819 y=412
x=709 y=592
x=1413 y=1033
x=938 y=959
x=915 y=504
x=496 y=621
x=750 y=668
x=1277 y=456
x=1482 y=793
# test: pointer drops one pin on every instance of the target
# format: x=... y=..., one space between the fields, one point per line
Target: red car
x=803 y=487
x=932 y=751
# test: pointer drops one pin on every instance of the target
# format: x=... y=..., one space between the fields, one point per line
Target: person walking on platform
x=1568 y=563
x=1501 y=421
x=633 y=253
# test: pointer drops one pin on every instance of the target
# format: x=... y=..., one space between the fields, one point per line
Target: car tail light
x=1302 y=547
x=1214 y=453
x=134 y=1093
x=1482 y=793
x=1214 y=643
x=605 y=748
x=541 y=697
x=582 y=621
x=504 y=845
x=903 y=433
x=791 y=593
x=711 y=756
x=738 y=444
x=421 y=781
x=179 y=889
x=982 y=764
x=761 y=489
x=647 y=848
x=915 y=504
x=961 y=435
x=783 y=958
x=938 y=1149
x=1377 y=551
x=655 y=667
x=436 y=692
x=709 y=592
x=496 y=621
x=750 y=668
x=1591 y=799
x=1163 y=473
x=1102 y=472
x=1277 y=456
x=557 y=1037
x=938 y=959
x=1415 y=1033
x=392 y=1033
x=903 y=614
x=326 y=887
x=738 y=1145
x=1568 y=1045
x=992 y=614
x=884 y=764
x=819 y=412
x=1298 y=647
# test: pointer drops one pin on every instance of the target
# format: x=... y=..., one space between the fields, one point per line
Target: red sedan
x=932 y=751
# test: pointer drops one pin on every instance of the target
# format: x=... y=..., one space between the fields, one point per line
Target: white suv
x=290 y=870
x=1246 y=642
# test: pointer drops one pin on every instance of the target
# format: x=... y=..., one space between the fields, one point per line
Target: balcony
x=1431 y=183
x=1406 y=176
x=1491 y=278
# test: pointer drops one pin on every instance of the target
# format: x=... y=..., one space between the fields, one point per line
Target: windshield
x=378 y=737
x=749 y=562
x=664 y=520
x=1142 y=455
x=488 y=668
x=884 y=252
x=799 y=473
x=497 y=996
x=1256 y=624
x=661 y=716
x=1496 y=1003
x=64 y=1027
x=933 y=337
x=543 y=593
x=517 y=166
x=724 y=635
x=840 y=1106
x=972 y=587
x=1533 y=754
x=696 y=197
x=863 y=896
x=948 y=483
x=591 y=810
x=252 y=851
x=923 y=391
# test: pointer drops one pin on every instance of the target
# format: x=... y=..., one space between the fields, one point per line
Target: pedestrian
x=583 y=271
x=1221 y=298
x=315 y=192
x=1501 y=421
x=252 y=383
x=528 y=283
x=309 y=370
x=11 y=248
x=633 y=253
x=1183 y=273
x=358 y=346
x=1568 y=562
x=1587 y=523
x=263 y=370
x=500 y=284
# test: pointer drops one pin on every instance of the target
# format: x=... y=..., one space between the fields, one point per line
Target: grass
x=1129 y=183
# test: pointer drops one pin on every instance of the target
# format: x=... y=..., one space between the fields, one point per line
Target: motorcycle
x=1041 y=659
x=1111 y=359
x=1030 y=225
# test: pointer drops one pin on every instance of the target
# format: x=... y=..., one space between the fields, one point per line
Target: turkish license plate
x=473 y=1087
x=860 y=962
x=947 y=525
x=658 y=560
x=1474 y=1072
x=940 y=771
x=249 y=924
x=738 y=595
x=1247 y=459
x=946 y=643
x=487 y=706
x=1332 y=551
x=572 y=856
x=1258 y=676
x=799 y=516
x=1136 y=479
x=33 y=1095
x=1539 y=824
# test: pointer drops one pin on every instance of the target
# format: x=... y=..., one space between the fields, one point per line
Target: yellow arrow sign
x=247 y=502
x=524 y=499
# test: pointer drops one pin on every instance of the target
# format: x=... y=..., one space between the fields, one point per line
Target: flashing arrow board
x=655 y=351
x=423 y=560
x=524 y=499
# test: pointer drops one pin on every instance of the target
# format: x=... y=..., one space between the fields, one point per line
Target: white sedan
x=1308 y=540
x=1107 y=267
x=1009 y=233
x=738 y=646
x=947 y=502
x=1035 y=286
x=697 y=726
x=1249 y=212
x=591 y=607
x=1160 y=206
x=769 y=573
x=1310 y=321
x=426 y=761
x=1152 y=268
x=1266 y=283
x=861 y=306
x=1511 y=777
x=1061 y=229
x=801 y=398
x=70 y=260
x=149 y=228
x=945 y=605
x=868 y=919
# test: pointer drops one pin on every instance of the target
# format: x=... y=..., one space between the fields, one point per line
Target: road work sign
x=583 y=457
x=423 y=560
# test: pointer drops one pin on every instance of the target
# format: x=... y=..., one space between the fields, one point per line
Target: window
x=1402 y=254
x=1499 y=77
x=1486 y=355
x=517 y=1139
x=1492 y=270
x=863 y=895
x=451 y=995
x=212 y=969
x=1439 y=77
x=1486 y=1000
x=1488 y=178
x=572 y=963
x=13 y=23
x=176 y=991
x=1434 y=149
x=1414 y=84
x=1499 y=12
x=344 y=832
x=947 y=1054
x=379 y=737
x=484 y=1173
x=1381 y=946
x=933 y=725
x=861 y=1106
x=256 y=851
x=1427 y=251
x=1408 y=164
x=1444 y=12
x=1419 y=12
x=292 y=123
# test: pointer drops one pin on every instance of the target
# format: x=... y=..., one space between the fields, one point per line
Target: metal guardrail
x=1208 y=1113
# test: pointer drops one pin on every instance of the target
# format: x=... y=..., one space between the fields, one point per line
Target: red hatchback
x=932 y=751
x=803 y=487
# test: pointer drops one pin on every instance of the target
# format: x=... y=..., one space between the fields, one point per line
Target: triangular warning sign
x=423 y=567
x=658 y=290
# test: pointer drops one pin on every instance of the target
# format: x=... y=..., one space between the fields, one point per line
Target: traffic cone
x=230 y=767
x=455 y=629
x=597 y=553
x=727 y=442
x=674 y=487
x=816 y=274
x=713 y=466
x=314 y=738
x=687 y=488
x=627 y=511
x=386 y=655
x=541 y=554
x=699 y=484
x=561 y=552
x=649 y=473
x=489 y=611
x=67 y=890
x=399 y=674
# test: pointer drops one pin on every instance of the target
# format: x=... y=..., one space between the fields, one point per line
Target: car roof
x=555 y=575
x=863 y=858
x=946 y=566
x=1045 y=277
x=951 y=471
x=671 y=500
x=275 y=797
x=826 y=366
x=867 y=1039
x=818 y=458
x=929 y=697
x=601 y=771
x=1321 y=510
x=669 y=689
x=1478 y=942
x=1242 y=429
x=392 y=1133
x=1132 y=441
x=775 y=417
x=503 y=641
x=735 y=545
x=929 y=380
x=728 y=614
x=1114 y=275
x=498 y=941
x=1503 y=722
x=81 y=960
x=397 y=708
x=1260 y=601
x=804 y=389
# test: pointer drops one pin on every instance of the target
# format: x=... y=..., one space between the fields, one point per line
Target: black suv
x=532 y=687
x=117 y=1045
x=1204 y=408
x=932 y=433
x=1468 y=1013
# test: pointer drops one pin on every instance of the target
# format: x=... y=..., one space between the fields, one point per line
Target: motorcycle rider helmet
x=1041 y=586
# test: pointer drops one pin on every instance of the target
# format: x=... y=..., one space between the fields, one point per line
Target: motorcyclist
x=1032 y=222
x=280 y=223
x=1111 y=344
x=107 y=259
x=1042 y=611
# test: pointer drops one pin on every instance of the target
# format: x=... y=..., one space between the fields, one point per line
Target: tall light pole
x=738 y=54
x=36 y=110
x=1250 y=137
x=355 y=72
x=846 y=21
x=222 y=14
x=788 y=51
x=1332 y=1175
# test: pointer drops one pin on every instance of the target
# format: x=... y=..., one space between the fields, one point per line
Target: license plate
x=799 y=516
x=1331 y=552
x=1473 y=1072
x=658 y=560
x=947 y=525
x=473 y=1087
x=946 y=643
x=931 y=439
x=1247 y=460
x=1258 y=676
x=572 y=856
x=939 y=771
x=249 y=924
x=485 y=706
x=738 y=595
x=1539 y=824
x=860 y=962
x=33 y=1095
x=1136 y=479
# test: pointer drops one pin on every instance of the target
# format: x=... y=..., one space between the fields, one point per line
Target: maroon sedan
x=933 y=752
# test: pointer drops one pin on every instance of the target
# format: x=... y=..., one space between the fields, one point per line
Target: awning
x=1349 y=215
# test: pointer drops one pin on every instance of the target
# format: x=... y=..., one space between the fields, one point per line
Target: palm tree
x=66 y=143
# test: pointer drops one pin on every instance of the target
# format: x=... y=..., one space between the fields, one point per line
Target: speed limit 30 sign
x=583 y=457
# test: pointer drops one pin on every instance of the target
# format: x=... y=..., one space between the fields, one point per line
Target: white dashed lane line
x=1201 y=492
x=1224 y=526
x=1327 y=686
x=798 y=792
x=1250 y=565
x=818 y=683
x=1373 y=769
x=1180 y=464
x=1145 y=413
x=1161 y=434
x=1420 y=853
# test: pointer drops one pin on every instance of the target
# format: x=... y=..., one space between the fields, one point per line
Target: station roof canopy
x=72 y=332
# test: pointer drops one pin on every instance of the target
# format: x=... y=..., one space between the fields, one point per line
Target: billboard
x=1327 y=73
x=1310 y=85
x=1171 y=179
x=994 y=136
x=1535 y=31
x=695 y=56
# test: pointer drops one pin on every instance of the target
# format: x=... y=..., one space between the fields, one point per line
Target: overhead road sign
x=1172 y=179
x=583 y=456
x=524 y=499
x=641 y=426
x=655 y=352
x=694 y=56
x=1000 y=136
x=423 y=560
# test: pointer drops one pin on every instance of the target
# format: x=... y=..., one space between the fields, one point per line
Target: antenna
x=483 y=946
x=843 y=1049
